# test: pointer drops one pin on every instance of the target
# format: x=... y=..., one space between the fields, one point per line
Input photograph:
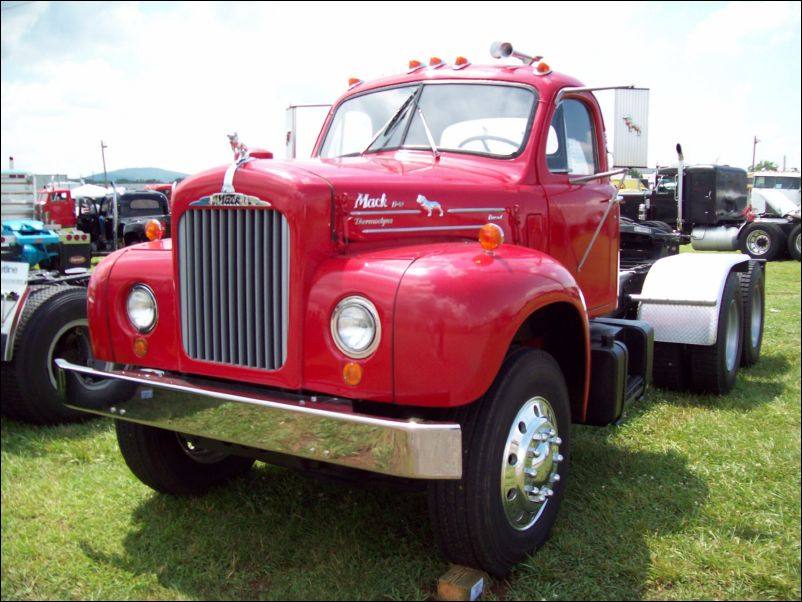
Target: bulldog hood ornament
x=241 y=156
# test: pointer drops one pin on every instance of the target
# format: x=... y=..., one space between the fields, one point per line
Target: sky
x=162 y=83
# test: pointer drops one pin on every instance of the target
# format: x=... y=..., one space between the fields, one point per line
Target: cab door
x=574 y=148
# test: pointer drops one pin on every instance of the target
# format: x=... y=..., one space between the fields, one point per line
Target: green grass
x=688 y=498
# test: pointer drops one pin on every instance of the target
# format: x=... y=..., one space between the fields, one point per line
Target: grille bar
x=234 y=284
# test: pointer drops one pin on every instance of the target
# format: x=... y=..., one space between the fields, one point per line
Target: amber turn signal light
x=140 y=347
x=154 y=230
x=491 y=236
x=352 y=373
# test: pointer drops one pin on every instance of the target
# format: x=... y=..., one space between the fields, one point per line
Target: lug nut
x=558 y=457
x=555 y=478
x=555 y=440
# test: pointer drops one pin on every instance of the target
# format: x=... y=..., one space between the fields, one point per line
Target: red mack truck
x=434 y=295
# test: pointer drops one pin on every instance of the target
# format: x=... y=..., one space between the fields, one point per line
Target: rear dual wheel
x=714 y=368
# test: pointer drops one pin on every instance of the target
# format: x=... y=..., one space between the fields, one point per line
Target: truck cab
x=433 y=295
x=56 y=206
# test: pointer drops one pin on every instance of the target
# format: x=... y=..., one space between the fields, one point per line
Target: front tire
x=516 y=443
x=171 y=463
x=761 y=241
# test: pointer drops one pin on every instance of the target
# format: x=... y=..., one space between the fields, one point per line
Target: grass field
x=688 y=498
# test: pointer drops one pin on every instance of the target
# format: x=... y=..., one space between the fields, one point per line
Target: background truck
x=18 y=190
x=435 y=295
x=43 y=318
x=44 y=311
x=775 y=203
x=713 y=208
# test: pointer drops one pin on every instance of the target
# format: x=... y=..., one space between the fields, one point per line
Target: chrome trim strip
x=422 y=229
x=392 y=212
x=656 y=301
x=322 y=429
x=477 y=210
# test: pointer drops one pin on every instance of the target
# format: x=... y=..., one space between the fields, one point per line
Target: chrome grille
x=234 y=283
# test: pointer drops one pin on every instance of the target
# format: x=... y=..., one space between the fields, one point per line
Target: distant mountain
x=138 y=174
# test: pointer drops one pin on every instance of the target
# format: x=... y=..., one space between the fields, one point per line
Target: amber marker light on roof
x=352 y=373
x=542 y=68
x=354 y=81
x=461 y=62
x=491 y=236
x=414 y=65
x=154 y=230
x=436 y=62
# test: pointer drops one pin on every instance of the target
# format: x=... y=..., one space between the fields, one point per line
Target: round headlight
x=141 y=307
x=355 y=327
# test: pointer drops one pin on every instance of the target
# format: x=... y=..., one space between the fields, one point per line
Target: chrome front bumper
x=322 y=429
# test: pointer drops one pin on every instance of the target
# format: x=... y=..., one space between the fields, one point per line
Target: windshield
x=470 y=118
x=777 y=182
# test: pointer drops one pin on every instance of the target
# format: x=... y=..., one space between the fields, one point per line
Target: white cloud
x=740 y=27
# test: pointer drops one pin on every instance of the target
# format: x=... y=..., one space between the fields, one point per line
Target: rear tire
x=794 y=242
x=753 y=293
x=515 y=462
x=53 y=324
x=670 y=367
x=715 y=367
x=170 y=463
x=761 y=241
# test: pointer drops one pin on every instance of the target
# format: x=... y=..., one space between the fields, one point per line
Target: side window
x=571 y=144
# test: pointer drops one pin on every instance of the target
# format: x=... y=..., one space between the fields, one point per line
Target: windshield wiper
x=435 y=152
x=391 y=124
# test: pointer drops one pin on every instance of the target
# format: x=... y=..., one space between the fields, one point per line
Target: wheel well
x=558 y=329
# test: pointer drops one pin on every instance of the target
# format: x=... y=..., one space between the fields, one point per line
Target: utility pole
x=754 y=145
x=103 y=148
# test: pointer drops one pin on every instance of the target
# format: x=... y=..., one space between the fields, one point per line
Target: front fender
x=456 y=313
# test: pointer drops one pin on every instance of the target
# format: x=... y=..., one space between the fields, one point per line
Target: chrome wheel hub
x=530 y=464
x=758 y=242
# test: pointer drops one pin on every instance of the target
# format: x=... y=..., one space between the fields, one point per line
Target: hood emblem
x=230 y=199
x=429 y=206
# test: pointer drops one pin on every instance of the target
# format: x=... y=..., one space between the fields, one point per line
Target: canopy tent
x=91 y=191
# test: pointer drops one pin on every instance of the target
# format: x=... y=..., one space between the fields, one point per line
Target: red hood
x=380 y=196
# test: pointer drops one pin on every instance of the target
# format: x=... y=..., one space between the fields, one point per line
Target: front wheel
x=172 y=463
x=761 y=241
x=516 y=443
